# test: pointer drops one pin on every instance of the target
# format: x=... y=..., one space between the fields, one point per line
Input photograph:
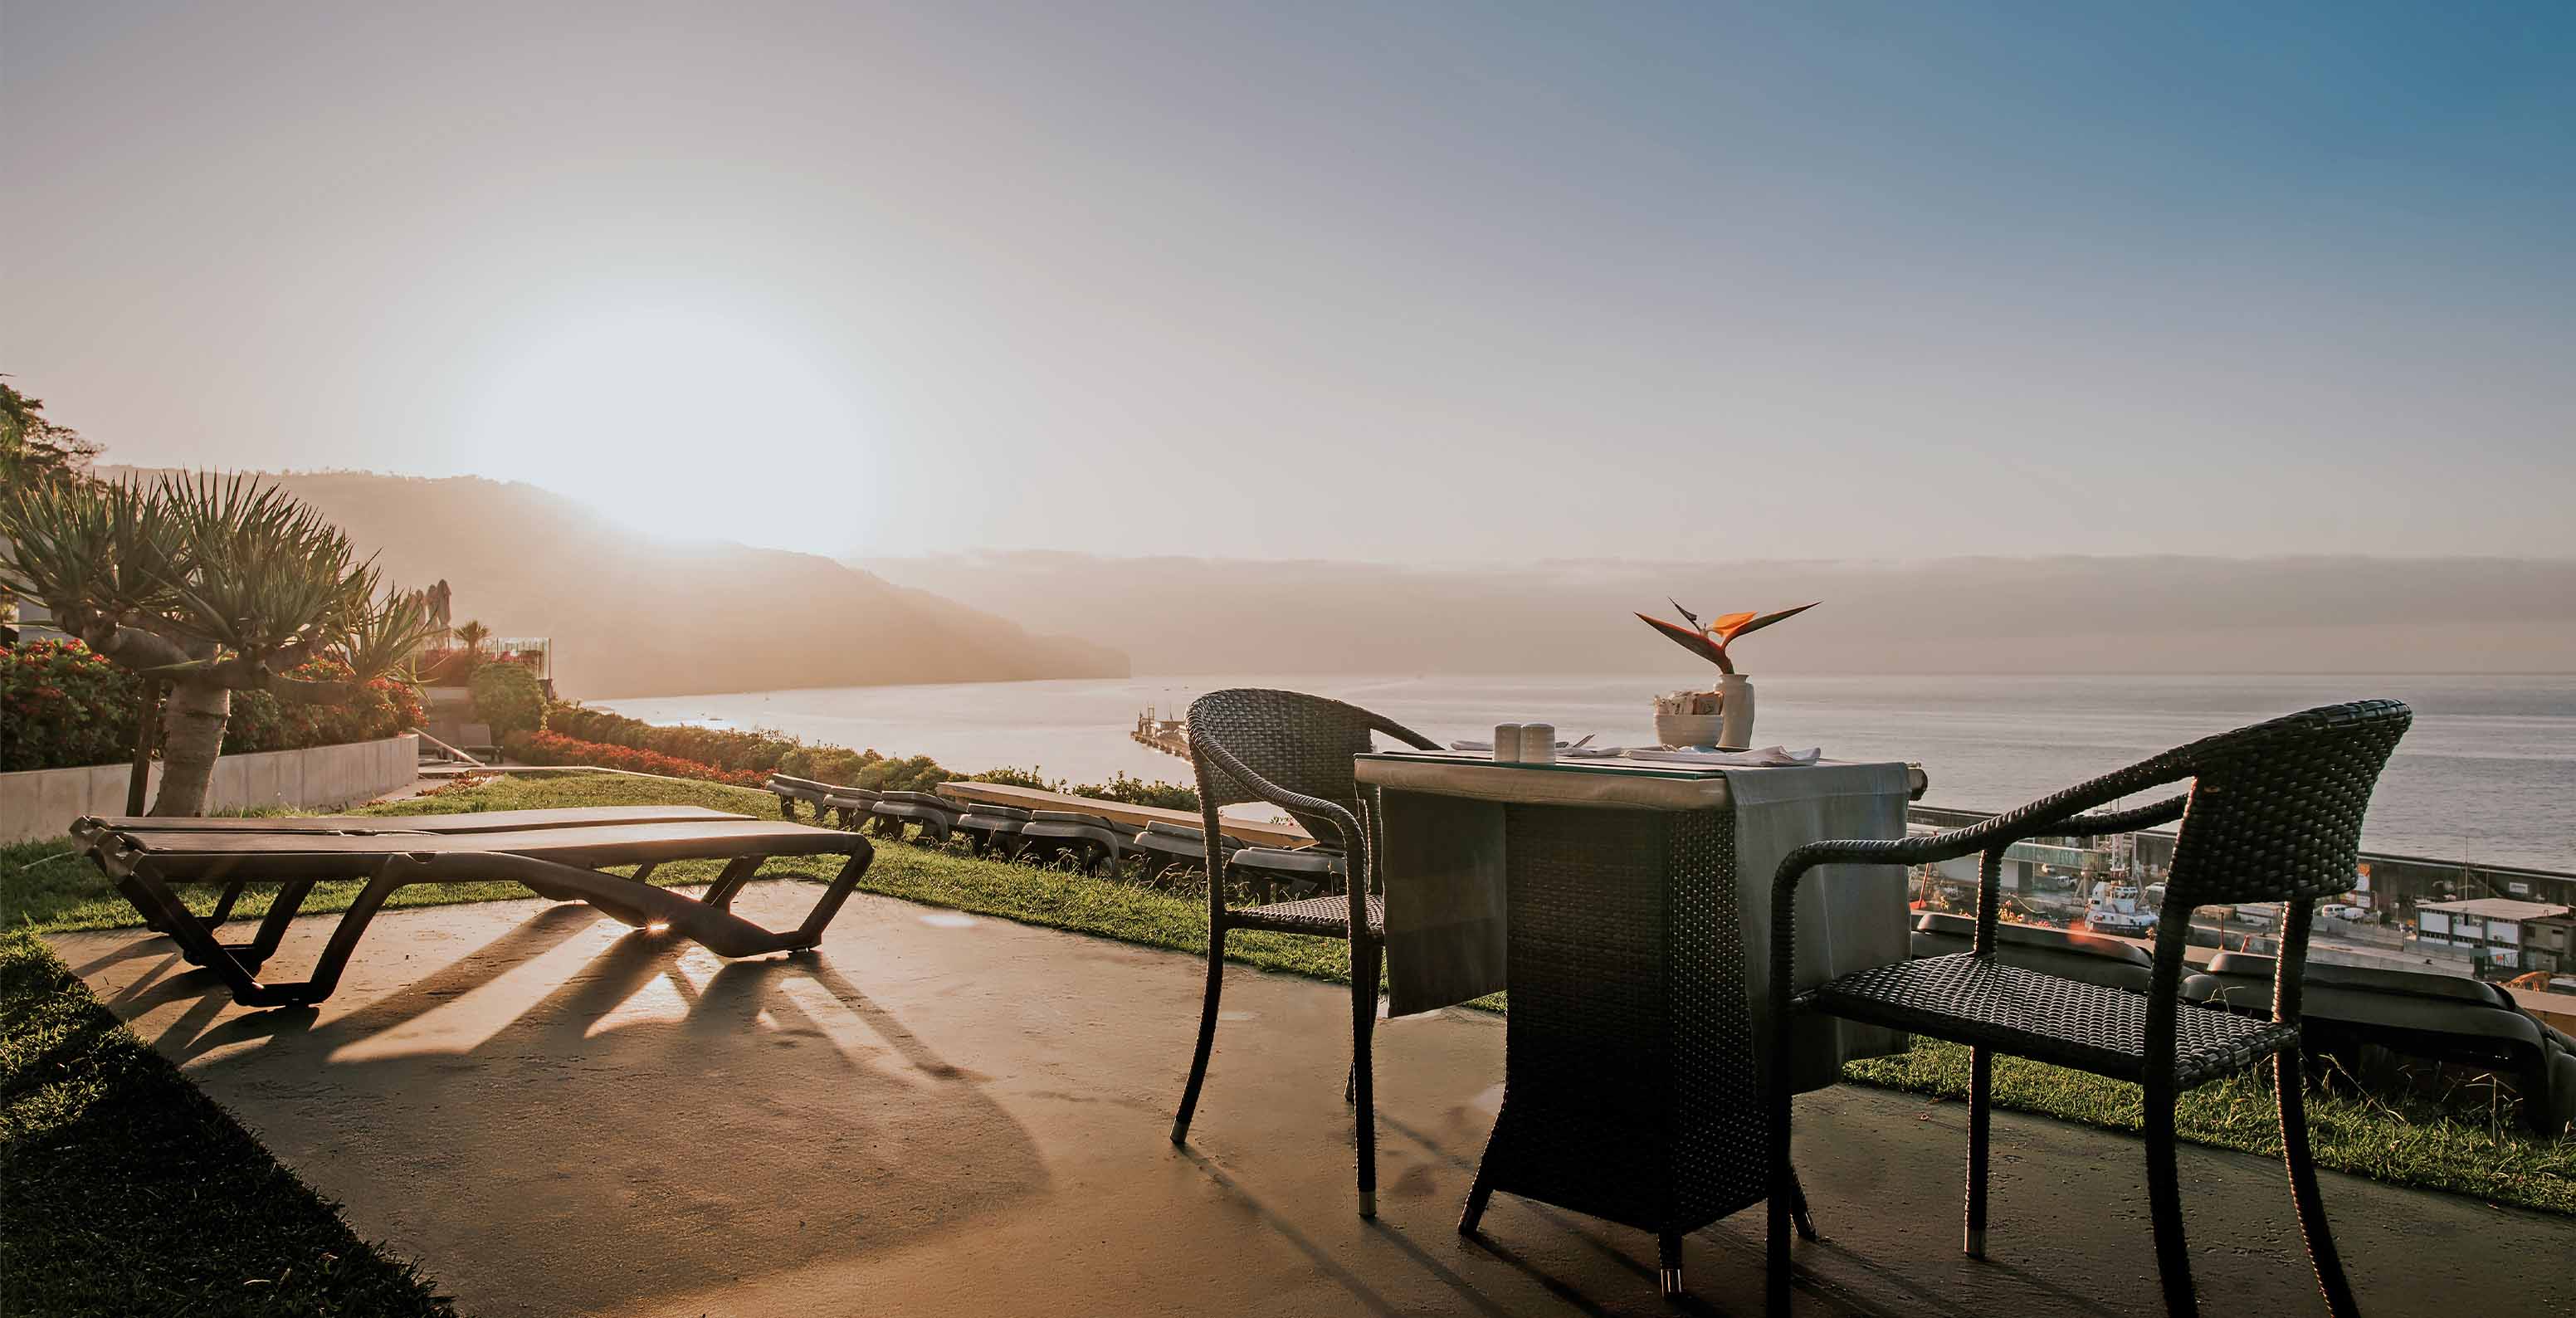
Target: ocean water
x=2488 y=773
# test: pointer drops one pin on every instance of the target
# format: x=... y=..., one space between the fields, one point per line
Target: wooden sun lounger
x=563 y=863
x=88 y=829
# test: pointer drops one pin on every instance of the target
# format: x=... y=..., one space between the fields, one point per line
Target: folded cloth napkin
x=1769 y=757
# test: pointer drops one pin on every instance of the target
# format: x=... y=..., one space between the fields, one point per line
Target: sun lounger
x=849 y=805
x=562 y=863
x=1300 y=870
x=87 y=830
x=1178 y=846
x=2066 y=953
x=791 y=790
x=990 y=828
x=1091 y=842
x=935 y=815
x=2445 y=1018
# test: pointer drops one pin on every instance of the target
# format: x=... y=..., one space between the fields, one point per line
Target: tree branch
x=131 y=647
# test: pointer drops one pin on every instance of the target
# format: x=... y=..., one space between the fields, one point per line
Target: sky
x=1405 y=283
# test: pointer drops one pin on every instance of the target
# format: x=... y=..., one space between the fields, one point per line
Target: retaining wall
x=42 y=803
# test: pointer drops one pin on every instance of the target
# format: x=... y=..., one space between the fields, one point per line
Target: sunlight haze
x=1333 y=281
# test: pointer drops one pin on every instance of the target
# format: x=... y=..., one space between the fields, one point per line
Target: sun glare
x=686 y=423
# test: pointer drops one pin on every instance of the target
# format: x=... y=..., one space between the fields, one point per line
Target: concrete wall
x=42 y=803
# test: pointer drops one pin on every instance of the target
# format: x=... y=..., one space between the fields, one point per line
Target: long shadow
x=587 y=1115
x=534 y=937
x=1287 y=1230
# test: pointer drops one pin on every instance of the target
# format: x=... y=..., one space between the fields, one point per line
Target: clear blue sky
x=1412 y=282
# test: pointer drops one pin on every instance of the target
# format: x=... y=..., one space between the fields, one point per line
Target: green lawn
x=129 y=1192
x=2463 y=1151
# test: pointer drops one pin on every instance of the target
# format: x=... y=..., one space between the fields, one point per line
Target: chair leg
x=2164 y=1202
x=1364 y=972
x=1775 y=1290
x=1207 y=1036
x=1668 y=1260
x=1478 y=1195
x=1798 y=1209
x=2289 y=1079
x=1981 y=1094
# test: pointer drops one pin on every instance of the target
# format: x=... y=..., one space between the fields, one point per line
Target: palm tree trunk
x=192 y=734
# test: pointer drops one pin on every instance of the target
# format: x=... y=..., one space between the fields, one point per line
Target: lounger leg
x=2290 y=1080
x=1668 y=1259
x=2164 y=1202
x=1981 y=1094
x=729 y=884
x=1207 y=1036
x=1363 y=1025
x=224 y=905
x=787 y=808
x=282 y=910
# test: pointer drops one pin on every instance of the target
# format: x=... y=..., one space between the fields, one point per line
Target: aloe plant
x=1709 y=640
x=210 y=584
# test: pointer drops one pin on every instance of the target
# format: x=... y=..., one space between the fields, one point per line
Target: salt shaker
x=1538 y=743
x=1507 y=743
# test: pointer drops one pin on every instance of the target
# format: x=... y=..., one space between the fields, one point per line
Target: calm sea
x=2488 y=774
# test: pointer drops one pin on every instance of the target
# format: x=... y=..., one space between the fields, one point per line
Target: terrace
x=944 y=1111
x=936 y=1112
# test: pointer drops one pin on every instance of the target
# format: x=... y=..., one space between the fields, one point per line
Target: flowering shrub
x=62 y=705
x=262 y=722
x=556 y=748
x=726 y=748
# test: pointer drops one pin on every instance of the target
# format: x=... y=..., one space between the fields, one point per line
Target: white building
x=2503 y=934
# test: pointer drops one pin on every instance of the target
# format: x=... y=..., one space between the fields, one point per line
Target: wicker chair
x=2274 y=814
x=1294 y=751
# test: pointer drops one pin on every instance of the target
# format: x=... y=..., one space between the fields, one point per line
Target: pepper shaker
x=1507 y=743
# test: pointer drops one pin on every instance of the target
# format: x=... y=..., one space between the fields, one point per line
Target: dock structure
x=1171 y=736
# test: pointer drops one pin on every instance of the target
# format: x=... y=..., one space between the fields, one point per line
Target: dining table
x=1624 y=909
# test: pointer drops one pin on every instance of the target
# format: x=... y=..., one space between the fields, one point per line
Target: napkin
x=1769 y=757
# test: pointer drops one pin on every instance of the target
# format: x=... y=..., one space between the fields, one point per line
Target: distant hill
x=2061 y=614
x=632 y=615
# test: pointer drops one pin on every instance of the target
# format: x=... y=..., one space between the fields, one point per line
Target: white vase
x=1736 y=715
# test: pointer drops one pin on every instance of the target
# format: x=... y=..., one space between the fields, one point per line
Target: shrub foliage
x=63 y=705
x=507 y=697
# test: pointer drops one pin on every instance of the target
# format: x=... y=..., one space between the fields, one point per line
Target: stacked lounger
x=2446 y=1018
x=991 y=828
x=934 y=816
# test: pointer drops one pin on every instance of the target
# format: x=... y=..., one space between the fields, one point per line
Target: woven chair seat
x=1329 y=916
x=1965 y=999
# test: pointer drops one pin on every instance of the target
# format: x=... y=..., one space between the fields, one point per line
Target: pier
x=1171 y=736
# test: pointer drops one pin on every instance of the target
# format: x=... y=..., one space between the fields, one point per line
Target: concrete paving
x=941 y=1114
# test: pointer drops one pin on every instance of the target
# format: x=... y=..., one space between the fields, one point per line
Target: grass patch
x=130 y=1192
x=2411 y=1143
x=2408 y=1142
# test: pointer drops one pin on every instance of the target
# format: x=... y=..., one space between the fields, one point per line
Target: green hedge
x=507 y=698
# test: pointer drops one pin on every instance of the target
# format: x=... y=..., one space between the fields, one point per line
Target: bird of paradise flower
x=1709 y=640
